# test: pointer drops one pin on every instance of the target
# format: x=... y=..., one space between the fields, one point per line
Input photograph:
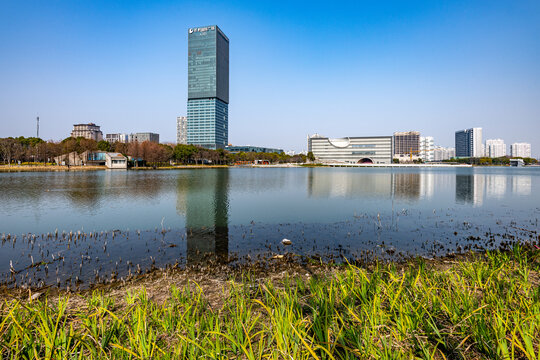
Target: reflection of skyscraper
x=206 y=206
x=470 y=189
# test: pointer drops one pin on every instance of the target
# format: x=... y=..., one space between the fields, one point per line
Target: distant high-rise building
x=88 y=131
x=406 y=143
x=208 y=87
x=123 y=138
x=520 y=150
x=495 y=148
x=142 y=137
x=441 y=153
x=469 y=143
x=426 y=148
x=181 y=130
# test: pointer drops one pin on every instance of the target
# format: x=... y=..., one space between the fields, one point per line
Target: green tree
x=104 y=145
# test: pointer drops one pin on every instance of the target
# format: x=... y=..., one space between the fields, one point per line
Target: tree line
x=503 y=160
x=36 y=150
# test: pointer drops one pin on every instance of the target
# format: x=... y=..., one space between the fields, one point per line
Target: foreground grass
x=487 y=307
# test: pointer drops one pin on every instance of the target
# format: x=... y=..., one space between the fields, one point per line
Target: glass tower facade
x=208 y=87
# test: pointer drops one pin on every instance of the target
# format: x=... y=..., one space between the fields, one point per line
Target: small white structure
x=517 y=162
x=115 y=161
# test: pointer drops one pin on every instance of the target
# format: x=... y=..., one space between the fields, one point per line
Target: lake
x=61 y=227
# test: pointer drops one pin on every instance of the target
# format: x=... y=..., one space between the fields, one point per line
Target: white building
x=495 y=148
x=426 y=148
x=112 y=138
x=441 y=153
x=181 y=130
x=364 y=150
x=520 y=150
x=115 y=161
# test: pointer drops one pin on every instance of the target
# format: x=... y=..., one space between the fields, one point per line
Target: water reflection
x=521 y=184
x=203 y=199
x=469 y=189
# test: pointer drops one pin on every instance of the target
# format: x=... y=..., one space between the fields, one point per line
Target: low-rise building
x=249 y=148
x=364 y=150
x=88 y=158
x=112 y=138
x=441 y=153
x=87 y=131
x=115 y=161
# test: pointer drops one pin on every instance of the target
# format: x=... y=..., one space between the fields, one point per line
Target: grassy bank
x=486 y=306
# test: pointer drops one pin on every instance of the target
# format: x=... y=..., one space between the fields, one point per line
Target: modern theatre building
x=355 y=150
x=208 y=87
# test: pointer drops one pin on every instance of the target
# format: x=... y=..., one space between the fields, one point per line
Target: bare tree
x=7 y=149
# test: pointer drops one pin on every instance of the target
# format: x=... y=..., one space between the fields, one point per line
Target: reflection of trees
x=204 y=194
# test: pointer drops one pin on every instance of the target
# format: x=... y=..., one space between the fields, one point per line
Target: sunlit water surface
x=88 y=225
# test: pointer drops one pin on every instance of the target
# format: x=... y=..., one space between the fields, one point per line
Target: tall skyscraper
x=208 y=87
x=520 y=150
x=469 y=143
x=181 y=130
x=495 y=148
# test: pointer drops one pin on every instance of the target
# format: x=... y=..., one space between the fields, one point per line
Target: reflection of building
x=427 y=184
x=495 y=186
x=406 y=185
x=469 y=143
x=88 y=131
x=181 y=130
x=142 y=137
x=495 y=148
x=208 y=87
x=521 y=184
x=323 y=184
x=470 y=189
x=370 y=150
x=520 y=150
x=204 y=199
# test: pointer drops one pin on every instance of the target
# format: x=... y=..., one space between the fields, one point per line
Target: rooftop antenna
x=37 y=132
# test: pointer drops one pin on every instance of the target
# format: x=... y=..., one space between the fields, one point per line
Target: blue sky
x=360 y=68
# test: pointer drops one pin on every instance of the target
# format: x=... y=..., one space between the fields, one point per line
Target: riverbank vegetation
x=499 y=161
x=35 y=150
x=486 y=306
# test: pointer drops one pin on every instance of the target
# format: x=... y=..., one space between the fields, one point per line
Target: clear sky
x=360 y=68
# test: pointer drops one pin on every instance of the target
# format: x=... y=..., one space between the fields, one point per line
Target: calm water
x=165 y=217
